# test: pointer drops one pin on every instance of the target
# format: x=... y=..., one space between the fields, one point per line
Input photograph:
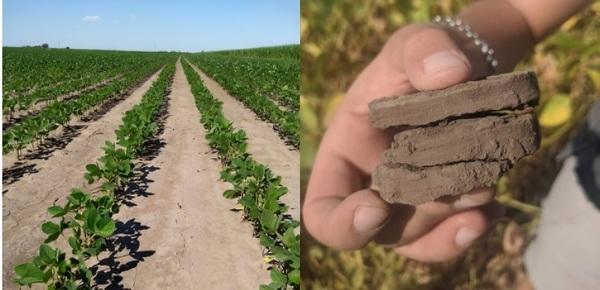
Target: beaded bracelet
x=457 y=24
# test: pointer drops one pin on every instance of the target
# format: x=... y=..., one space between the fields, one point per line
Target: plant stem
x=519 y=205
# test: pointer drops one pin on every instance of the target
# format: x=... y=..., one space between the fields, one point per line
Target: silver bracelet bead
x=459 y=25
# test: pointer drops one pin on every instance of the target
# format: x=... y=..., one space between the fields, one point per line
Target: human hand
x=340 y=210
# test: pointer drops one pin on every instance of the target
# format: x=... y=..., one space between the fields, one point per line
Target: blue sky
x=151 y=24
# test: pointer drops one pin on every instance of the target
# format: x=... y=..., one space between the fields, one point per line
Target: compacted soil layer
x=499 y=92
x=488 y=138
x=455 y=140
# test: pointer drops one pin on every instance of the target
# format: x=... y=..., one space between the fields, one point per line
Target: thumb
x=432 y=60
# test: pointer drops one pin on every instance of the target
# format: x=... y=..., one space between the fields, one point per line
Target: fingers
x=409 y=223
x=348 y=223
x=432 y=60
x=453 y=236
x=338 y=211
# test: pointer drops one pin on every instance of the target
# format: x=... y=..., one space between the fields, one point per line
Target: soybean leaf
x=52 y=230
x=91 y=219
x=289 y=238
x=57 y=211
x=47 y=254
x=77 y=196
x=294 y=276
x=109 y=186
x=105 y=227
x=71 y=285
x=278 y=278
x=29 y=273
x=557 y=111
x=266 y=241
x=63 y=267
x=92 y=172
x=85 y=271
x=269 y=220
x=230 y=193
x=281 y=253
x=75 y=244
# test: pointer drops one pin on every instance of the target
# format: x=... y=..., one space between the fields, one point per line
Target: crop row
x=85 y=220
x=256 y=188
x=245 y=79
x=36 y=127
x=25 y=102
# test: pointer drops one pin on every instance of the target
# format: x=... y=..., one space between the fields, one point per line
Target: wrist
x=502 y=27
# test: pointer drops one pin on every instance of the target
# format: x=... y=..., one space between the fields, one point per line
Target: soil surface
x=25 y=201
x=189 y=238
x=264 y=143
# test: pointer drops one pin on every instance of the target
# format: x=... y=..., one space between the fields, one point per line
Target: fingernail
x=443 y=60
x=368 y=218
x=465 y=202
x=465 y=236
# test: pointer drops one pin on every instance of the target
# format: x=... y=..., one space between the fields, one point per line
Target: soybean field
x=151 y=170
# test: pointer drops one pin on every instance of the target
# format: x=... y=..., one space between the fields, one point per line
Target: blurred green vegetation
x=290 y=52
x=338 y=40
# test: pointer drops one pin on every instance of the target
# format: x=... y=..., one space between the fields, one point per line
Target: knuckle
x=427 y=34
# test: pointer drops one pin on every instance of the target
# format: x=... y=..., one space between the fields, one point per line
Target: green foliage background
x=338 y=40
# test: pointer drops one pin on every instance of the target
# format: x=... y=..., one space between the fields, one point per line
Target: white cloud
x=91 y=18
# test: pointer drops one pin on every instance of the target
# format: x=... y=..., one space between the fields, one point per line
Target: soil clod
x=457 y=139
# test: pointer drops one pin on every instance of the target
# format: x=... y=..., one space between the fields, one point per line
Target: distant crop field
x=288 y=52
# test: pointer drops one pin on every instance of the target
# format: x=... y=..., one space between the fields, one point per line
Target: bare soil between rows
x=184 y=232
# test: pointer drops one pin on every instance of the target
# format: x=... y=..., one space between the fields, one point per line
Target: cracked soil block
x=457 y=139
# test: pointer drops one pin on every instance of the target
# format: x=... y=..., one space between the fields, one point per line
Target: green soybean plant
x=89 y=223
